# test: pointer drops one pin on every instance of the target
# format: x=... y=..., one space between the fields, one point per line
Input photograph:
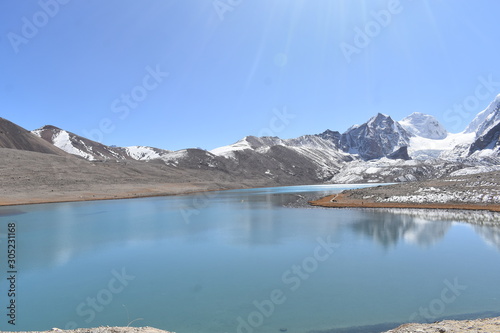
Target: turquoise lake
x=245 y=261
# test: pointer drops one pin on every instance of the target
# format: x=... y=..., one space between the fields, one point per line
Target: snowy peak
x=379 y=119
x=483 y=117
x=377 y=138
x=332 y=136
x=424 y=125
x=484 y=130
x=491 y=120
x=487 y=140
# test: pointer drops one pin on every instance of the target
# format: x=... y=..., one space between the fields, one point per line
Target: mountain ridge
x=381 y=149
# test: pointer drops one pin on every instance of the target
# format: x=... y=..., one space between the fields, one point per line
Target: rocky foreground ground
x=489 y=325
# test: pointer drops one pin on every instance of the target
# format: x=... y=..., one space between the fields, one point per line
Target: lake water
x=244 y=261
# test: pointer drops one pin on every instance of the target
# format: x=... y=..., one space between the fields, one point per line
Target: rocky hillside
x=15 y=137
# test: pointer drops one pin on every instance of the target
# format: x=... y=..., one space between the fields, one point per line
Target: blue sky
x=205 y=73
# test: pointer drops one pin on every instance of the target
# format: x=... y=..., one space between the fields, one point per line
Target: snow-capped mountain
x=478 y=123
x=424 y=125
x=377 y=138
x=479 y=142
x=487 y=140
x=92 y=150
x=487 y=144
x=320 y=157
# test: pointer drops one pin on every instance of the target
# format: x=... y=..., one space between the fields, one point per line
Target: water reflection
x=388 y=229
x=424 y=227
x=490 y=234
x=481 y=217
x=8 y=211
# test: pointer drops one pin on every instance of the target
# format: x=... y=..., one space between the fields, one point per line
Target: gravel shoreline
x=486 y=325
x=470 y=192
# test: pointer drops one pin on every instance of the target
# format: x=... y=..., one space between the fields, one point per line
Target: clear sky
x=204 y=73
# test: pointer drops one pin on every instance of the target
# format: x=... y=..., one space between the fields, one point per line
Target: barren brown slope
x=15 y=137
x=30 y=177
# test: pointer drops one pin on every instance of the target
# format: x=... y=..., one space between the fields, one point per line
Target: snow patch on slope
x=228 y=151
x=475 y=170
x=37 y=132
x=174 y=157
x=63 y=141
x=425 y=148
x=142 y=153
